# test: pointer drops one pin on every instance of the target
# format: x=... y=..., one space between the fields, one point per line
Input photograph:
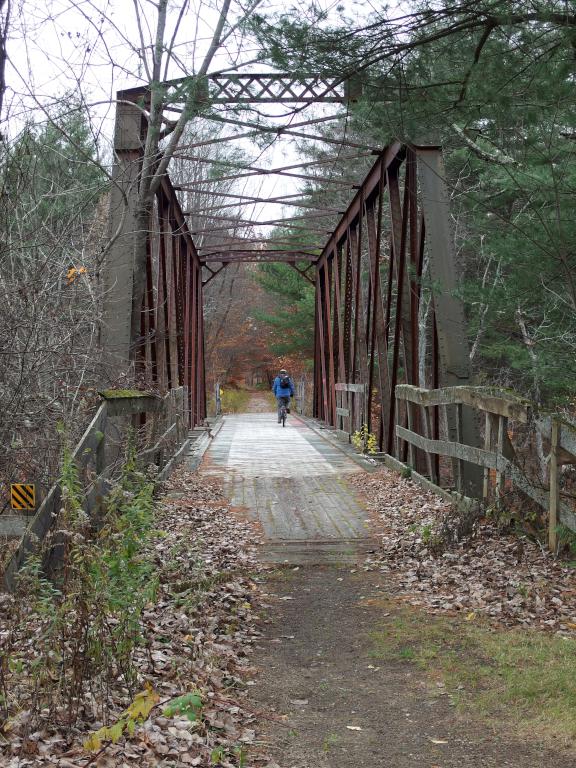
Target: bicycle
x=283 y=411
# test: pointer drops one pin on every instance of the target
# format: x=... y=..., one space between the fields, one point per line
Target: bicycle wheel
x=284 y=417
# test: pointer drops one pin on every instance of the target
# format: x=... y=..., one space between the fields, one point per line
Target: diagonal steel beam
x=248 y=200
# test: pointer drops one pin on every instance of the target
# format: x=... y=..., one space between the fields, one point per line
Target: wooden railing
x=350 y=408
x=502 y=464
x=161 y=427
x=300 y=395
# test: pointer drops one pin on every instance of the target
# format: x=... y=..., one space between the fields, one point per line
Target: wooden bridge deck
x=294 y=483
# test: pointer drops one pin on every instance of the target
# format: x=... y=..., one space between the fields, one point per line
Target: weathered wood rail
x=498 y=456
x=161 y=425
x=300 y=395
x=351 y=402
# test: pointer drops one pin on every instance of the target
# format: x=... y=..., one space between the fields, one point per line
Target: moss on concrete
x=118 y=394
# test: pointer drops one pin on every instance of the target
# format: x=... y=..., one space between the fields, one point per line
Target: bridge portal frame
x=369 y=324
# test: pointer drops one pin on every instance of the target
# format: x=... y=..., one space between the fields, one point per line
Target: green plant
x=234 y=400
x=364 y=440
x=406 y=473
x=138 y=711
x=217 y=755
x=566 y=539
x=331 y=740
x=87 y=615
x=189 y=705
x=426 y=533
x=240 y=753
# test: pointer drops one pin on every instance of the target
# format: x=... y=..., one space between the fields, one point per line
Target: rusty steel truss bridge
x=378 y=323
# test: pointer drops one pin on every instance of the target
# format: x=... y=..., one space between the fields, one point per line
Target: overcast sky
x=94 y=47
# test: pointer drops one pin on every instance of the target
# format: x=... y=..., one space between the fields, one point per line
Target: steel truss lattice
x=376 y=325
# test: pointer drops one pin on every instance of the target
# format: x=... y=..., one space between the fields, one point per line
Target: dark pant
x=282 y=401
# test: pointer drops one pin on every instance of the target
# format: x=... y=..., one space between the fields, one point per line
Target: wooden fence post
x=487 y=447
x=217 y=399
x=554 y=487
x=459 y=464
x=502 y=431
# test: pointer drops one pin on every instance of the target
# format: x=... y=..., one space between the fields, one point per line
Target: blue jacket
x=282 y=391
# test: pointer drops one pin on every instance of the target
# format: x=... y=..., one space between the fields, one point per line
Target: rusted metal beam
x=268 y=222
x=292 y=167
x=255 y=88
x=367 y=329
x=213 y=274
x=258 y=255
x=246 y=171
x=369 y=187
x=302 y=272
x=249 y=200
x=244 y=225
x=239 y=242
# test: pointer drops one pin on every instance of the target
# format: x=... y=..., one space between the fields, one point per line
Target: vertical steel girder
x=176 y=342
x=369 y=291
x=170 y=350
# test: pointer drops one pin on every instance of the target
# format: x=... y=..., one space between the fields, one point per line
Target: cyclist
x=283 y=388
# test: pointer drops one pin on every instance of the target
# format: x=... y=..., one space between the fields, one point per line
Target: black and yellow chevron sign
x=23 y=496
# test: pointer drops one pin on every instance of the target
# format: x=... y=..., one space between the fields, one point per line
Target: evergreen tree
x=292 y=323
x=493 y=82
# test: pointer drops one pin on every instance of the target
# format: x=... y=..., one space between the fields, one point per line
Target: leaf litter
x=508 y=578
x=197 y=641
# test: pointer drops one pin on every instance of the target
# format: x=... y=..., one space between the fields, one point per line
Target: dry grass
x=518 y=675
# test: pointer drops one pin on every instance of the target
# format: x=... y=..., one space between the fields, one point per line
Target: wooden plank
x=567 y=437
x=491 y=461
x=463 y=502
x=459 y=466
x=431 y=464
x=554 y=488
x=446 y=448
x=487 y=447
x=350 y=387
x=484 y=398
x=342 y=411
x=502 y=430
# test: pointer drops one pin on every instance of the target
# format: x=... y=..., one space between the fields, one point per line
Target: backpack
x=285 y=381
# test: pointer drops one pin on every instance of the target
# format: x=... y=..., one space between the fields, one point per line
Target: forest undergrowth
x=137 y=651
x=494 y=570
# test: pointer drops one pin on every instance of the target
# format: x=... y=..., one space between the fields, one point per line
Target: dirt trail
x=347 y=703
x=260 y=402
x=347 y=708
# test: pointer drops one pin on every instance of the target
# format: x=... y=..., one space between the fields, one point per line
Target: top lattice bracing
x=258 y=88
